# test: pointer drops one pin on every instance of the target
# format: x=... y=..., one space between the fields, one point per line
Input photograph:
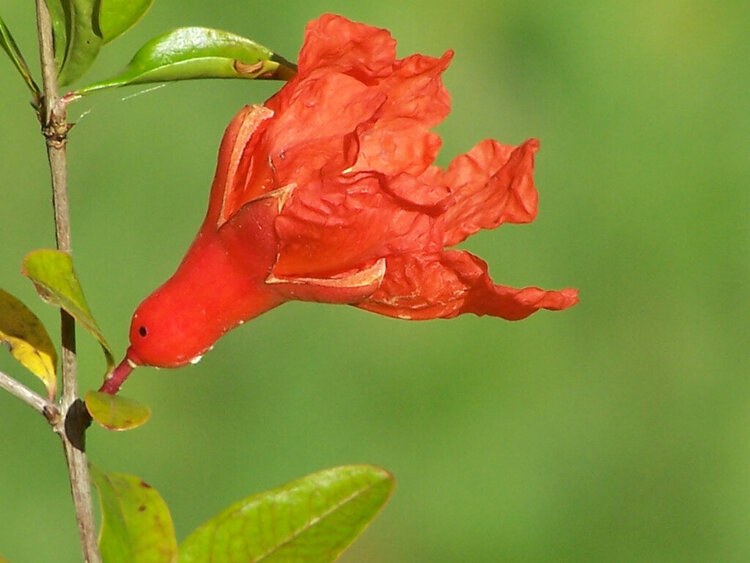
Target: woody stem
x=72 y=426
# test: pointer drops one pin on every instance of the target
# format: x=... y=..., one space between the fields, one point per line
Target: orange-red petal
x=399 y=140
x=491 y=184
x=335 y=42
x=430 y=286
x=340 y=224
x=323 y=109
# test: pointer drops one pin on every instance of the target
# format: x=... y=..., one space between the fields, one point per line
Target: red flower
x=328 y=193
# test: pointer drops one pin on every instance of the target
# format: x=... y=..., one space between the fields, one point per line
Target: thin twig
x=34 y=400
x=72 y=429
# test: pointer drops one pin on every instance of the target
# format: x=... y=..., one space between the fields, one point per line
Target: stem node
x=56 y=133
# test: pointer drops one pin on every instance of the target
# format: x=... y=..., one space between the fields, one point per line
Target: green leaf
x=28 y=341
x=59 y=11
x=136 y=524
x=313 y=519
x=196 y=52
x=84 y=40
x=115 y=412
x=9 y=46
x=118 y=16
x=56 y=282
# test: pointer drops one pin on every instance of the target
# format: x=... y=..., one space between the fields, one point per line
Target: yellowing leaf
x=56 y=282
x=136 y=524
x=312 y=519
x=28 y=341
x=115 y=412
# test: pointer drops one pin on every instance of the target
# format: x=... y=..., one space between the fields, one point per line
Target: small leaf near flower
x=115 y=412
x=52 y=273
x=28 y=341
x=312 y=519
x=136 y=524
x=196 y=52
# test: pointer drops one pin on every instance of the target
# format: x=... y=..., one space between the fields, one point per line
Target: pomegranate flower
x=328 y=193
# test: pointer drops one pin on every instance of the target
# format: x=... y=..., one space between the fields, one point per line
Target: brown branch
x=34 y=400
x=72 y=427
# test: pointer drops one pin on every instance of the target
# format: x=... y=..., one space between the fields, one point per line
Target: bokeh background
x=616 y=431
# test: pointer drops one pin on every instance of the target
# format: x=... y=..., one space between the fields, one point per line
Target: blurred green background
x=616 y=431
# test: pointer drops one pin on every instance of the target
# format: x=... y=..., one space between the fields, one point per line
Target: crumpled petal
x=445 y=285
x=322 y=112
x=352 y=131
x=492 y=184
x=332 y=41
x=422 y=192
x=339 y=225
x=399 y=141
x=397 y=146
x=416 y=90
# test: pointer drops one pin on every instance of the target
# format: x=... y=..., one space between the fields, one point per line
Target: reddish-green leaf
x=57 y=284
x=136 y=524
x=118 y=16
x=313 y=519
x=28 y=341
x=196 y=52
x=83 y=40
x=115 y=412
